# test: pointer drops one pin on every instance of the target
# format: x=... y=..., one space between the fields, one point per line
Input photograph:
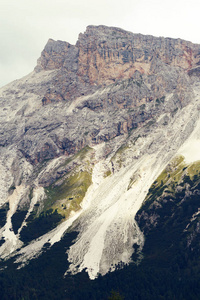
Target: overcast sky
x=26 y=25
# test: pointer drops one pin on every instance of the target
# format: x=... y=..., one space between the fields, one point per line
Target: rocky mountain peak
x=104 y=32
x=104 y=54
x=84 y=137
x=55 y=55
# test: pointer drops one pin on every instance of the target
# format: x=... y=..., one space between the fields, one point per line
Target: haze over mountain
x=102 y=139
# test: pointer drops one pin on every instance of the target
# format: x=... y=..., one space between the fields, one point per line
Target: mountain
x=100 y=171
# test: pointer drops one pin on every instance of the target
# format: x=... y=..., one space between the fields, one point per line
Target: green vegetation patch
x=174 y=174
x=68 y=195
x=82 y=153
x=193 y=169
x=107 y=173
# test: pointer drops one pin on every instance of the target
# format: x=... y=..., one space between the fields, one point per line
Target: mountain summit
x=101 y=139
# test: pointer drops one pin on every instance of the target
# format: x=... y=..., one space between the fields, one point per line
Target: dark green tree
x=115 y=296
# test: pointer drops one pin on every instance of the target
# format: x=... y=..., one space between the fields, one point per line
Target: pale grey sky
x=26 y=25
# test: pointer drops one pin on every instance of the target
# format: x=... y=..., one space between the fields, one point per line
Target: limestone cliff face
x=109 y=54
x=149 y=67
x=56 y=55
x=106 y=55
x=103 y=55
x=120 y=78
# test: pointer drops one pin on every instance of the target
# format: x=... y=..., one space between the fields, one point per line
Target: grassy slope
x=62 y=197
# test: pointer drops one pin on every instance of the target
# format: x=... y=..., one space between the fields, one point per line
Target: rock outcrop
x=103 y=55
